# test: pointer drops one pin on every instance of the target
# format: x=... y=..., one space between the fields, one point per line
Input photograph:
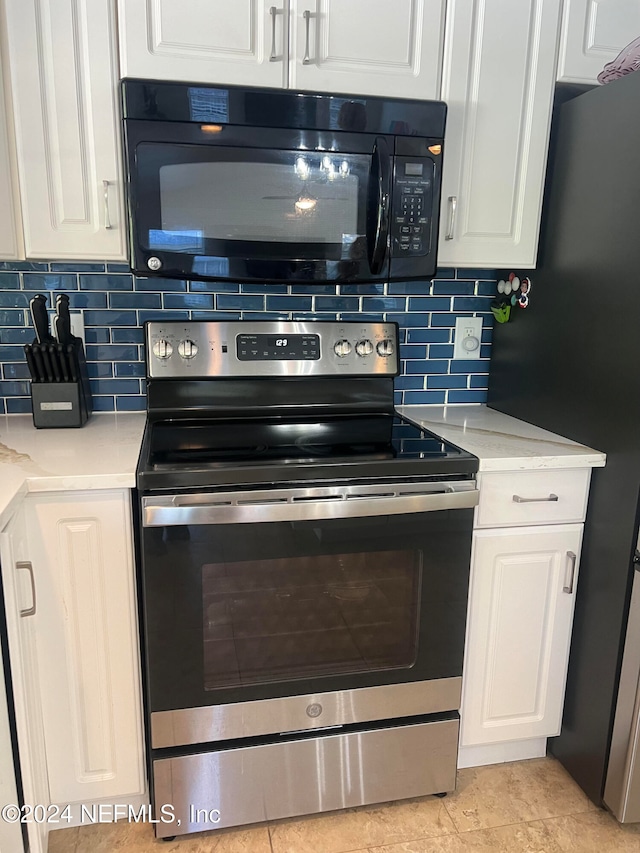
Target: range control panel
x=182 y=349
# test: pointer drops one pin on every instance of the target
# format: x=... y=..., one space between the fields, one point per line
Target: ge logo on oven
x=314 y=710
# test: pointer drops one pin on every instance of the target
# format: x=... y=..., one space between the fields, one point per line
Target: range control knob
x=162 y=349
x=386 y=347
x=342 y=348
x=364 y=347
x=187 y=349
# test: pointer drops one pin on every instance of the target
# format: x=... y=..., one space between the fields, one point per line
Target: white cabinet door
x=498 y=81
x=205 y=41
x=21 y=600
x=593 y=33
x=82 y=553
x=367 y=47
x=521 y=604
x=64 y=84
x=10 y=224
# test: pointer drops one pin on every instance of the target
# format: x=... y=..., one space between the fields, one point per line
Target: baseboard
x=498 y=753
x=132 y=808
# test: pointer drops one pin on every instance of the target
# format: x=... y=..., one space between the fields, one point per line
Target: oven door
x=336 y=604
x=244 y=203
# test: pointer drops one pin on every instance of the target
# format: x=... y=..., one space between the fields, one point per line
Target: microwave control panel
x=411 y=207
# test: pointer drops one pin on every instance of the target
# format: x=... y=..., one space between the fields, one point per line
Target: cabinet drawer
x=533 y=497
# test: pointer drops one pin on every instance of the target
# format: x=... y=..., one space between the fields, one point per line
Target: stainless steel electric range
x=304 y=566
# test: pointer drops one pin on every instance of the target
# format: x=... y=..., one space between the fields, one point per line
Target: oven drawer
x=305 y=776
x=533 y=497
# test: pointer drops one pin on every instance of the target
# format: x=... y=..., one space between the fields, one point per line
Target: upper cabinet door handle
x=520 y=500
x=306 y=60
x=273 y=56
x=453 y=204
x=107 y=218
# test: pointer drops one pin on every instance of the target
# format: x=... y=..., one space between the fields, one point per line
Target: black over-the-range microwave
x=278 y=186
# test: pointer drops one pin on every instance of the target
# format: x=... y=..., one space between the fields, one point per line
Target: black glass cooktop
x=295 y=447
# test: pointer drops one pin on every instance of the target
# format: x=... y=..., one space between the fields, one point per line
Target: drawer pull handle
x=520 y=500
x=568 y=587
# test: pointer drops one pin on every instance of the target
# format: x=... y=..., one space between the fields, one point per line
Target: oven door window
x=242 y=612
x=301 y=617
x=214 y=200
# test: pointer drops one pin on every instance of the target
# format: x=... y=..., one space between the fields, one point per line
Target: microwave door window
x=245 y=200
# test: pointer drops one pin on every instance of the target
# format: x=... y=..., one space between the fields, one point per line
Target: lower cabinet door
x=87 y=642
x=20 y=601
x=521 y=602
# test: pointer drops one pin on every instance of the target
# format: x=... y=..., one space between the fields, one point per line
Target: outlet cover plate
x=77 y=324
x=468 y=337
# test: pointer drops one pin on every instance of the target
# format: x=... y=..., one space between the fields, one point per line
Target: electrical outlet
x=466 y=343
x=77 y=324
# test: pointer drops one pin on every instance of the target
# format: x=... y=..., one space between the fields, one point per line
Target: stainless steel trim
x=250 y=507
x=273 y=56
x=27 y=566
x=107 y=219
x=234 y=787
x=520 y=500
x=306 y=60
x=568 y=587
x=290 y=713
x=216 y=349
x=453 y=204
x=622 y=786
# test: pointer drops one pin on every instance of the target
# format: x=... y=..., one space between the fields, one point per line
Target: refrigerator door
x=622 y=787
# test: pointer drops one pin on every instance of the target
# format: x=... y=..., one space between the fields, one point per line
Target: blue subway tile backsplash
x=115 y=305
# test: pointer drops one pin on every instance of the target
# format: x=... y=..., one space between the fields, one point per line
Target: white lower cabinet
x=87 y=640
x=20 y=598
x=522 y=596
x=69 y=581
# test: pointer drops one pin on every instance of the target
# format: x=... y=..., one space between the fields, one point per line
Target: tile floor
x=524 y=807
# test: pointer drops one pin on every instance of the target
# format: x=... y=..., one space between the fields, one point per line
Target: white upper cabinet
x=241 y=42
x=64 y=83
x=10 y=225
x=593 y=33
x=367 y=47
x=498 y=80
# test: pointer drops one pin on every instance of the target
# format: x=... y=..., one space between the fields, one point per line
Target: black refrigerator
x=570 y=363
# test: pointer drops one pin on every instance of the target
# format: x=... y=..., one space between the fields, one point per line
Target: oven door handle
x=167 y=512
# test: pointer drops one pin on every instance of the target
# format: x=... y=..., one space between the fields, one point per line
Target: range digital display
x=278 y=347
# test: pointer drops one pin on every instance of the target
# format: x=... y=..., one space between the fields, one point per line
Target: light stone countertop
x=500 y=442
x=102 y=454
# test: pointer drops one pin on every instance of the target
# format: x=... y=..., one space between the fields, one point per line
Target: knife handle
x=64 y=364
x=47 y=362
x=31 y=364
x=37 y=358
x=72 y=361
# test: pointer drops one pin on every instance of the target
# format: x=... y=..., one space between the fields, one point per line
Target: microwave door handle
x=379 y=203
